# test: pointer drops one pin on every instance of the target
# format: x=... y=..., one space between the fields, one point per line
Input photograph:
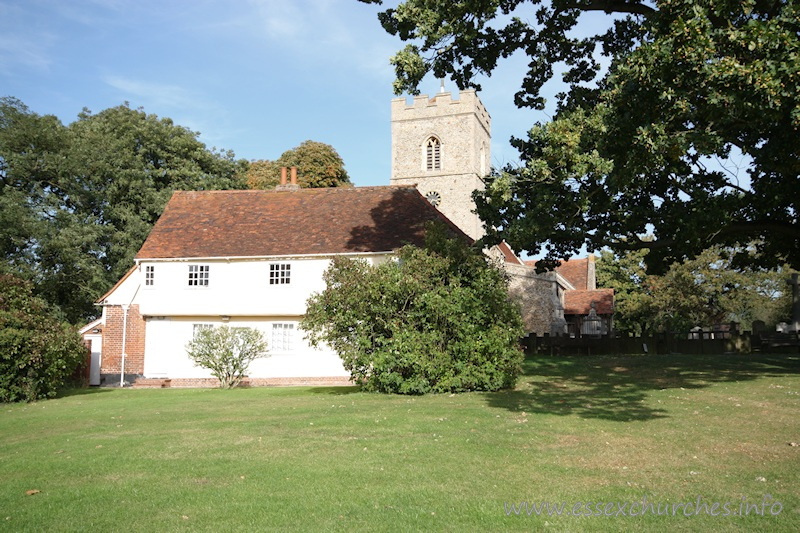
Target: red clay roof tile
x=279 y=223
x=575 y=270
x=579 y=302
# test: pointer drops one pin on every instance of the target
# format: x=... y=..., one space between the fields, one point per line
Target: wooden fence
x=665 y=343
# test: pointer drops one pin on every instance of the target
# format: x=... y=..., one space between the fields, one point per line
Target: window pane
x=282 y=337
x=198 y=275
x=196 y=328
x=280 y=273
x=433 y=154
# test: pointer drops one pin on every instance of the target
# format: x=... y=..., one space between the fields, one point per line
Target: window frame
x=433 y=154
x=280 y=274
x=199 y=276
x=149 y=276
x=198 y=326
x=285 y=335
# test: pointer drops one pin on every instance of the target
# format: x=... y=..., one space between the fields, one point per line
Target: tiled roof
x=580 y=302
x=508 y=254
x=280 y=223
x=575 y=270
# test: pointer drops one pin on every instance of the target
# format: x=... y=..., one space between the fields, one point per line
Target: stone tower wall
x=463 y=127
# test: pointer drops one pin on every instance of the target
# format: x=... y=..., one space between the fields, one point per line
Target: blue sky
x=254 y=76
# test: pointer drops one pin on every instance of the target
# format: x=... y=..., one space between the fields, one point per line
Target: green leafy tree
x=627 y=275
x=227 y=352
x=38 y=352
x=78 y=201
x=632 y=149
x=318 y=165
x=263 y=174
x=704 y=291
x=434 y=320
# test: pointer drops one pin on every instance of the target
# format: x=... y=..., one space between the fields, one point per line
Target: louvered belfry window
x=433 y=152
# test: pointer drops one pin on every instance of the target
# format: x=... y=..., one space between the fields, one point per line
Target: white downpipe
x=125 y=308
x=124 y=339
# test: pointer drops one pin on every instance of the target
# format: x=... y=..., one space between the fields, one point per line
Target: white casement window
x=197 y=328
x=149 y=276
x=198 y=275
x=282 y=337
x=280 y=273
x=433 y=154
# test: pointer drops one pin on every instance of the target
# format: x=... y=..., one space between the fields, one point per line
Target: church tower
x=441 y=145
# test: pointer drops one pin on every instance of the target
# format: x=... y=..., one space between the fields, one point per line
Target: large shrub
x=38 y=352
x=435 y=320
x=227 y=352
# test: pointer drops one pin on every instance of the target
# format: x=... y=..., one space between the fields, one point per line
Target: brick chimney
x=293 y=186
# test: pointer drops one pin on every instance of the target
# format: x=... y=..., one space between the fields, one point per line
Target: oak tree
x=78 y=201
x=648 y=145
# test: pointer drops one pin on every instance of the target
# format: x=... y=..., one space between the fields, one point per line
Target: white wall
x=238 y=294
x=166 y=339
x=126 y=289
x=236 y=288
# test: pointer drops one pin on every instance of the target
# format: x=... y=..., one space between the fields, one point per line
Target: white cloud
x=25 y=51
x=21 y=45
x=320 y=31
x=160 y=95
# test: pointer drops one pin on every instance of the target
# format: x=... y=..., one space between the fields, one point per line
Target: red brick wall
x=112 y=341
x=264 y=382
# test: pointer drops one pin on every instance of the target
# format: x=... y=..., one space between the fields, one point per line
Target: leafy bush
x=227 y=352
x=435 y=320
x=38 y=352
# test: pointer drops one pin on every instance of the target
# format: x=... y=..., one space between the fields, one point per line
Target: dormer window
x=433 y=154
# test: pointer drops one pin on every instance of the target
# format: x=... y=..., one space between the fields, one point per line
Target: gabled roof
x=117 y=284
x=94 y=324
x=575 y=270
x=207 y=224
x=508 y=254
x=579 y=302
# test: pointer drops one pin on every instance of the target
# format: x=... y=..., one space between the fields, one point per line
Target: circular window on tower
x=434 y=198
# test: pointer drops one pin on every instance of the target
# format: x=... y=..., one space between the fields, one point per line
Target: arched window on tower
x=433 y=154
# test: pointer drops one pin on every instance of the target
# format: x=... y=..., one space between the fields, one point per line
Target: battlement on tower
x=441 y=104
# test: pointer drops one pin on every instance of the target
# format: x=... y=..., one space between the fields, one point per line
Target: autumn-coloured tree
x=318 y=165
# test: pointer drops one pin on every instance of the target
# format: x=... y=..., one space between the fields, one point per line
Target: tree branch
x=610 y=6
x=787 y=229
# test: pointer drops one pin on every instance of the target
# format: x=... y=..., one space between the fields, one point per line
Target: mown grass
x=589 y=429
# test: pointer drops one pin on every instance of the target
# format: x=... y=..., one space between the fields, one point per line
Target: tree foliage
x=647 y=145
x=77 y=201
x=436 y=319
x=38 y=352
x=704 y=291
x=227 y=352
x=318 y=165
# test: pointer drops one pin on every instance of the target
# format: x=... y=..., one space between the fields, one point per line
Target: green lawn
x=593 y=429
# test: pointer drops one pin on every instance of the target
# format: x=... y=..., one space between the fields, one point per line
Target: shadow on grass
x=616 y=387
x=335 y=391
x=79 y=391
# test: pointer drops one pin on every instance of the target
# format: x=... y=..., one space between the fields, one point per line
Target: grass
x=588 y=429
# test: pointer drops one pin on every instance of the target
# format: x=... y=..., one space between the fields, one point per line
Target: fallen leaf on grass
x=32 y=492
